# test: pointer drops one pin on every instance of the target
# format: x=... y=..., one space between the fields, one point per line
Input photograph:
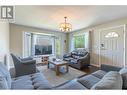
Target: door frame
x=124 y=47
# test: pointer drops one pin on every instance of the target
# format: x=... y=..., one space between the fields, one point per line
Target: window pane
x=57 y=46
x=43 y=45
x=79 y=41
x=111 y=35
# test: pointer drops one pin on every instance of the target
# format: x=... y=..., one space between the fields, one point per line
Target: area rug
x=62 y=78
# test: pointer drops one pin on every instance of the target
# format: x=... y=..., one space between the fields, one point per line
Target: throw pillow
x=112 y=80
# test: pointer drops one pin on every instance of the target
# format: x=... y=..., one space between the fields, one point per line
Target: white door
x=112 y=47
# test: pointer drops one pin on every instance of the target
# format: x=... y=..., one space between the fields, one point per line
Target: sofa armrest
x=81 y=59
x=108 y=68
x=27 y=58
x=25 y=68
x=28 y=62
x=84 y=61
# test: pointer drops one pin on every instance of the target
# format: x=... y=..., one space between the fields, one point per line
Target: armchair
x=23 y=66
x=78 y=58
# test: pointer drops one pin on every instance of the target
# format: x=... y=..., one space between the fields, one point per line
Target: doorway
x=112 y=46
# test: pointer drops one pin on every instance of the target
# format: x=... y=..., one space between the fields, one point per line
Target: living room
x=76 y=55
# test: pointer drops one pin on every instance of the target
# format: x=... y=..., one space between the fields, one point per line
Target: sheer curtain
x=27 y=44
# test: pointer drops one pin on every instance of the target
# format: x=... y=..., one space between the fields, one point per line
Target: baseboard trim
x=97 y=65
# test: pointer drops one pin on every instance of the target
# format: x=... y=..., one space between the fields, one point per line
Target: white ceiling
x=49 y=17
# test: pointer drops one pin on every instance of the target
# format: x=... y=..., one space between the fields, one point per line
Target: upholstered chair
x=23 y=66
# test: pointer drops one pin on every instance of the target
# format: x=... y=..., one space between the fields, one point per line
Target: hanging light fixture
x=65 y=27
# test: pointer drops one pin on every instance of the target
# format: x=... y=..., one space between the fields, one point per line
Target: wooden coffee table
x=57 y=65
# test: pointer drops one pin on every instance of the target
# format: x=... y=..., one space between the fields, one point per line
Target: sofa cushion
x=82 y=52
x=112 y=80
x=40 y=82
x=4 y=71
x=25 y=77
x=74 y=61
x=3 y=82
x=76 y=57
x=123 y=73
x=99 y=74
x=88 y=81
x=72 y=85
x=32 y=81
x=22 y=84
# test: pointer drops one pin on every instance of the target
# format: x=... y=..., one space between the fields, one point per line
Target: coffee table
x=57 y=65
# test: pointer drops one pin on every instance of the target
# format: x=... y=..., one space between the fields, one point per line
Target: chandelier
x=65 y=27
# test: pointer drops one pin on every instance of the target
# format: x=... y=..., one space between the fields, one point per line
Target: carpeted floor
x=64 y=77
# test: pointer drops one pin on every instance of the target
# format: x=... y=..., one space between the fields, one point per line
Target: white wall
x=4 y=42
x=95 y=38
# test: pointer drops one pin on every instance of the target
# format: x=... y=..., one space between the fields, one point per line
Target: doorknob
x=102 y=46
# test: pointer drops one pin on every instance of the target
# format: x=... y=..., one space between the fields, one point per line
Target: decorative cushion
x=72 y=85
x=76 y=57
x=123 y=73
x=99 y=74
x=82 y=52
x=74 y=52
x=112 y=80
x=73 y=55
x=4 y=71
x=88 y=81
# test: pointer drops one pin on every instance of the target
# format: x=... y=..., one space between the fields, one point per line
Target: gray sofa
x=31 y=81
x=112 y=78
x=78 y=58
x=101 y=79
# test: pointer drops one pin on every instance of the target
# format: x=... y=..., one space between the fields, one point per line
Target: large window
x=79 y=41
x=38 y=44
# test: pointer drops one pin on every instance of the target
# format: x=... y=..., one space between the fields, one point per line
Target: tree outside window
x=58 y=47
x=79 y=41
